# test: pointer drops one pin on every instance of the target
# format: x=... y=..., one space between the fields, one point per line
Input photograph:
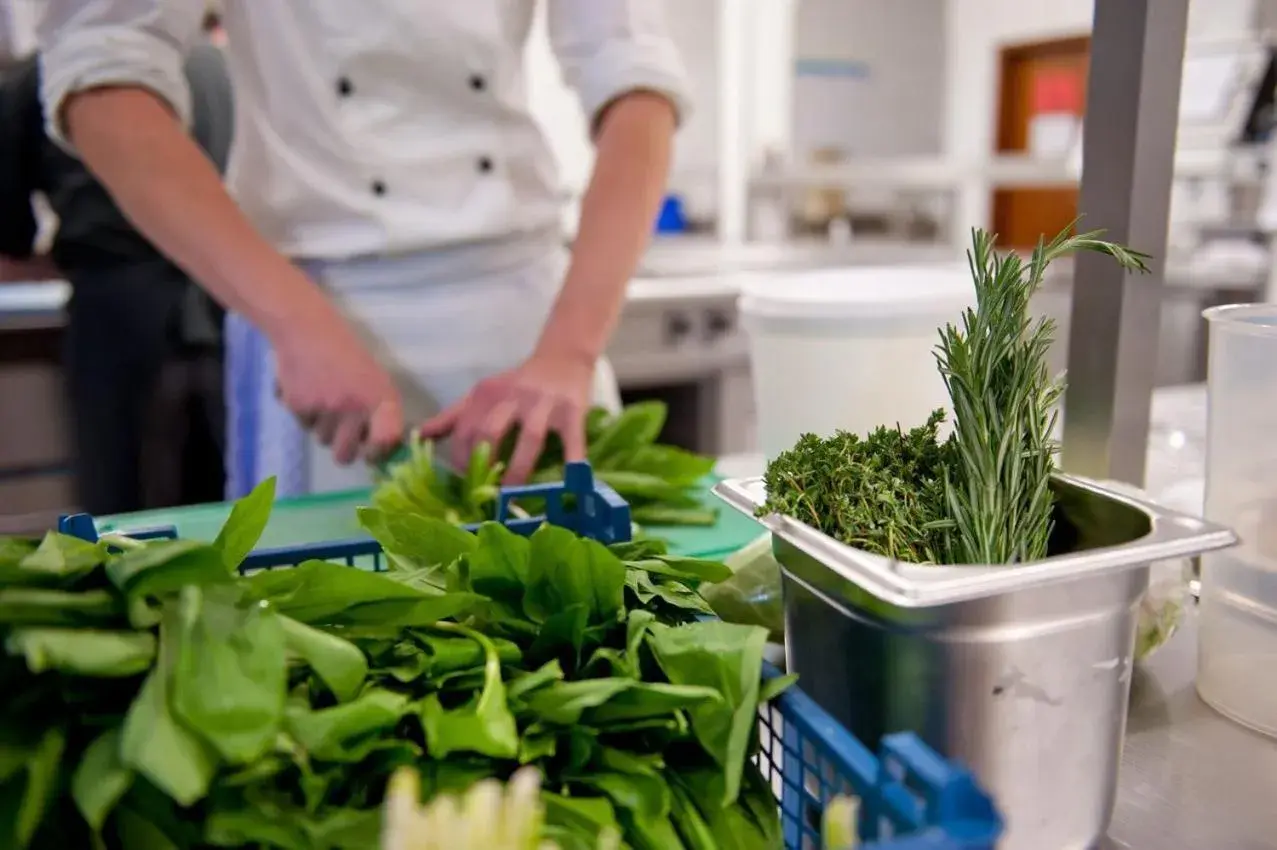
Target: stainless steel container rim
x=1171 y=535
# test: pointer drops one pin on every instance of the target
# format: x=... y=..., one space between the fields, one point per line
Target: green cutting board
x=331 y=516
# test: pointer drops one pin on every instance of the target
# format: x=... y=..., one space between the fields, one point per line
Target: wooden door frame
x=1010 y=54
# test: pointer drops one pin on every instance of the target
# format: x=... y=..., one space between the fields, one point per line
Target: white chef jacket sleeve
x=87 y=44
x=608 y=48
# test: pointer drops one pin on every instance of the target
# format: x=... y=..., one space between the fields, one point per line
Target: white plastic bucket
x=849 y=349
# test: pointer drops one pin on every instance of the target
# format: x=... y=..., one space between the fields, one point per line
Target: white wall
x=976 y=30
x=898 y=108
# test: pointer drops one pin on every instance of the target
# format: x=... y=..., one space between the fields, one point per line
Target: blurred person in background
x=142 y=342
x=400 y=235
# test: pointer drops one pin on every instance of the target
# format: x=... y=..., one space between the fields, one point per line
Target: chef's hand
x=546 y=394
x=336 y=388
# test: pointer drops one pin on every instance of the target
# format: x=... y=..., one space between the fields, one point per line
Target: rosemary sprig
x=1005 y=403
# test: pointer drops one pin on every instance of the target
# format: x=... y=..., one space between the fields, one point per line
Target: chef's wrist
x=567 y=352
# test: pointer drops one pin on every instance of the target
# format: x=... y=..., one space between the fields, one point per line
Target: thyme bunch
x=1005 y=403
x=883 y=493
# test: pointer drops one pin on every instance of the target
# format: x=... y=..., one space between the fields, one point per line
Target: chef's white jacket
x=374 y=127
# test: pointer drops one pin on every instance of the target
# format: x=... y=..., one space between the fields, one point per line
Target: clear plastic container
x=1237 y=644
x=849 y=349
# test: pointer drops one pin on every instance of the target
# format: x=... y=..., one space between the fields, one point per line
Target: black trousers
x=146 y=404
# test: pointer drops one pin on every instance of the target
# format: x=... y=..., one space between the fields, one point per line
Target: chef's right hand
x=336 y=388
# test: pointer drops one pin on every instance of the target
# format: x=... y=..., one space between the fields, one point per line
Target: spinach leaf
x=84 y=652
x=657 y=514
x=637 y=425
x=484 y=726
x=686 y=569
x=563 y=703
x=727 y=658
x=33 y=606
x=499 y=565
x=669 y=463
x=562 y=637
x=320 y=593
x=773 y=688
x=165 y=566
x=230 y=674
x=60 y=557
x=646 y=700
x=546 y=674
x=154 y=742
x=339 y=663
x=244 y=526
x=566 y=570
x=422 y=541
x=101 y=780
x=43 y=771
x=324 y=733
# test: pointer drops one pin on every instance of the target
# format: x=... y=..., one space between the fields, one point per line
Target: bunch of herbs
x=982 y=495
x=1005 y=403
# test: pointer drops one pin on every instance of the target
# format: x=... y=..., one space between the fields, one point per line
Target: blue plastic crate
x=910 y=797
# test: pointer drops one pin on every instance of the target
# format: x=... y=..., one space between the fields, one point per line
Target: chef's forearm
x=171 y=192
x=634 y=143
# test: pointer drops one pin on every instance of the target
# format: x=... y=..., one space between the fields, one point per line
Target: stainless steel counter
x=1191 y=780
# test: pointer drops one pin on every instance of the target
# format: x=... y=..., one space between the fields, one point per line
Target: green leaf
x=245 y=525
x=646 y=700
x=339 y=663
x=61 y=556
x=583 y=816
x=524 y=684
x=499 y=564
x=688 y=569
x=669 y=463
x=423 y=540
x=33 y=606
x=229 y=679
x=101 y=780
x=484 y=726
x=325 y=733
x=637 y=425
x=320 y=593
x=727 y=658
x=165 y=566
x=640 y=486
x=154 y=742
x=773 y=688
x=563 y=703
x=562 y=637
x=646 y=798
x=566 y=570
x=639 y=550
x=82 y=652
x=43 y=771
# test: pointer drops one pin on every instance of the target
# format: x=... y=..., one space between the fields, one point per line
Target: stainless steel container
x=1022 y=673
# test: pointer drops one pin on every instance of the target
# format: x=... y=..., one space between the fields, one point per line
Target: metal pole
x=1132 y=111
x=733 y=154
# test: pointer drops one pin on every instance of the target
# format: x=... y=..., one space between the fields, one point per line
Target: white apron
x=440 y=321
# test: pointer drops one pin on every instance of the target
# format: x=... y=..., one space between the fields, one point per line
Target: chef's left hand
x=548 y=393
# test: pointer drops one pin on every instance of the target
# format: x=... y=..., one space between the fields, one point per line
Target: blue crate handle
x=911 y=798
x=927 y=802
x=579 y=503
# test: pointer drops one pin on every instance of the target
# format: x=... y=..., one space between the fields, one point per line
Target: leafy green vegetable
x=159 y=700
x=661 y=483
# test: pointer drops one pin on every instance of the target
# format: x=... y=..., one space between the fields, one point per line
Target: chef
x=391 y=236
